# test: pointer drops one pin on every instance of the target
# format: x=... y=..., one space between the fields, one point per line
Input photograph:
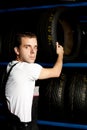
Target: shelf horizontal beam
x=75 y=4
x=62 y=124
x=82 y=65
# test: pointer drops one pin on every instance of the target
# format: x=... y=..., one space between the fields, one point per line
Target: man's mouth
x=32 y=58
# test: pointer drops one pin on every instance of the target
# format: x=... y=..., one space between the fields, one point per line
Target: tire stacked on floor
x=77 y=97
x=64 y=98
x=52 y=99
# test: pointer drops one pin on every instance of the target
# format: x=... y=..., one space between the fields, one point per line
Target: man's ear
x=16 y=50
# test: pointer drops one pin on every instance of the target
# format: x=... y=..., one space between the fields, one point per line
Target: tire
x=78 y=97
x=56 y=25
x=7 y=47
x=52 y=98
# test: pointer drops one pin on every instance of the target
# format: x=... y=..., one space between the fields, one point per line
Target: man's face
x=27 y=51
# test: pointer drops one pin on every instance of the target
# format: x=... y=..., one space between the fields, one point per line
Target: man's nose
x=32 y=50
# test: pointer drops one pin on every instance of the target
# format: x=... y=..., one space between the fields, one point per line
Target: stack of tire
x=64 y=98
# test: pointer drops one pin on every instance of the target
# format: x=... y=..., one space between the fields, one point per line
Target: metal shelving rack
x=66 y=65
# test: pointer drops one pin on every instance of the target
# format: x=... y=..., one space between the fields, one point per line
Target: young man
x=21 y=82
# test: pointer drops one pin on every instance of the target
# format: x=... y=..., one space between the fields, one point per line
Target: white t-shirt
x=20 y=88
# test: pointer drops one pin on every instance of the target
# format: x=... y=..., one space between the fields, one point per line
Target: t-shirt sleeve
x=36 y=69
x=32 y=69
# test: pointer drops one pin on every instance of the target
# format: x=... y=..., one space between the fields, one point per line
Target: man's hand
x=59 y=49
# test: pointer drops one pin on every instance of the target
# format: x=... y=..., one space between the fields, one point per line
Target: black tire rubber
x=60 y=25
x=77 y=100
x=52 y=98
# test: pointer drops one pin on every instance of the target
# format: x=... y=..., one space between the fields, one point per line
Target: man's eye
x=26 y=47
x=35 y=48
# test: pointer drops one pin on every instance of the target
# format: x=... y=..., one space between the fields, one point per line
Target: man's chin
x=31 y=61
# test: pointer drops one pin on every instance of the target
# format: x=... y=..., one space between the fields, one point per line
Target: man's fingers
x=57 y=44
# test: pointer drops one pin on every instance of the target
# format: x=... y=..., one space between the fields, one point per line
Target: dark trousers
x=12 y=122
x=23 y=126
